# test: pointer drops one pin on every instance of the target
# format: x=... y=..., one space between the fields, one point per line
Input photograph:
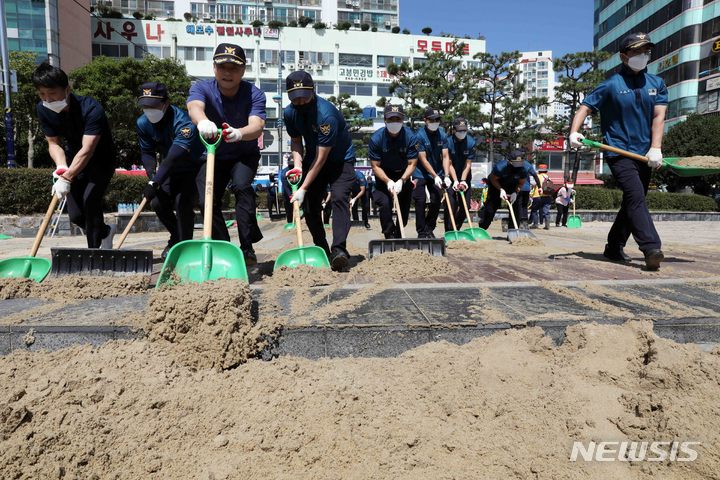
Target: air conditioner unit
x=348 y=3
x=301 y=66
x=291 y=66
x=388 y=24
x=318 y=67
x=263 y=65
x=356 y=4
x=357 y=21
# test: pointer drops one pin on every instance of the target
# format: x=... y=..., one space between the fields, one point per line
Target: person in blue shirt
x=238 y=107
x=505 y=182
x=393 y=152
x=272 y=200
x=461 y=149
x=432 y=157
x=81 y=145
x=523 y=198
x=171 y=191
x=360 y=195
x=322 y=149
x=632 y=105
x=286 y=191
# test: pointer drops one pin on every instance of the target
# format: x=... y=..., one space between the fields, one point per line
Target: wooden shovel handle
x=396 y=202
x=512 y=214
x=619 y=151
x=132 y=222
x=467 y=212
x=298 y=227
x=448 y=208
x=209 y=190
x=43 y=226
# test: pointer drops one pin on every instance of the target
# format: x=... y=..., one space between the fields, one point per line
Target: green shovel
x=455 y=234
x=4 y=237
x=477 y=232
x=313 y=256
x=31 y=267
x=574 y=221
x=202 y=260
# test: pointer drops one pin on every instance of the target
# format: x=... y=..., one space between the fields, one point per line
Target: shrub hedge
x=26 y=191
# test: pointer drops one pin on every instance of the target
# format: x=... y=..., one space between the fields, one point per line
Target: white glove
x=323 y=205
x=352 y=202
x=455 y=185
x=390 y=186
x=462 y=186
x=503 y=194
x=208 y=129
x=655 y=157
x=397 y=187
x=61 y=188
x=576 y=140
x=448 y=182
x=438 y=181
x=230 y=134
x=513 y=197
x=299 y=196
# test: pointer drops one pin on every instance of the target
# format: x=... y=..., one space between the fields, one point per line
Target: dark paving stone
x=388 y=307
x=4 y=343
x=448 y=305
x=637 y=308
x=54 y=338
x=461 y=335
x=17 y=305
x=687 y=295
x=302 y=343
x=684 y=330
x=93 y=312
x=378 y=342
x=529 y=302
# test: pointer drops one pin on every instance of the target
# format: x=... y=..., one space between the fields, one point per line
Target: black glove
x=150 y=190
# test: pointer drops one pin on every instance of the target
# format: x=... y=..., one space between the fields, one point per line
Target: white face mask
x=517 y=163
x=394 y=127
x=433 y=126
x=153 y=114
x=460 y=135
x=638 y=62
x=570 y=186
x=56 y=106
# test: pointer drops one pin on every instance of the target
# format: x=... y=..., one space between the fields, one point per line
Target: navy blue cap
x=299 y=84
x=152 y=94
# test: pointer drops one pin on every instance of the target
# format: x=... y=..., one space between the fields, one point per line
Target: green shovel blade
x=313 y=256
x=574 y=221
x=4 y=237
x=25 y=267
x=229 y=223
x=202 y=260
x=289 y=226
x=459 y=235
x=478 y=233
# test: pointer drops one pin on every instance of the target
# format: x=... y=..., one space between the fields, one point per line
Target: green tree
x=115 y=84
x=698 y=135
x=427 y=30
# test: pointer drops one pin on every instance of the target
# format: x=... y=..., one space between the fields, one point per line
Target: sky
x=563 y=26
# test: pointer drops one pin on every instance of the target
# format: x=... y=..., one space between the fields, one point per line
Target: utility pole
x=279 y=109
x=9 y=130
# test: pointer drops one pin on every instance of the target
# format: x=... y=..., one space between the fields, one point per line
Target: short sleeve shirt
x=84 y=117
x=509 y=176
x=626 y=103
x=175 y=128
x=433 y=144
x=360 y=180
x=393 y=153
x=460 y=152
x=249 y=101
x=530 y=172
x=321 y=125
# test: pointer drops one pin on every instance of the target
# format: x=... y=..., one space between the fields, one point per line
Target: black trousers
x=562 y=215
x=85 y=203
x=174 y=205
x=522 y=202
x=240 y=175
x=426 y=213
x=493 y=203
x=271 y=203
x=340 y=177
x=364 y=202
x=634 y=218
x=288 y=207
x=384 y=200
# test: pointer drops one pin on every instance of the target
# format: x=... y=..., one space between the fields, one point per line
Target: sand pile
x=699 y=161
x=302 y=276
x=74 y=287
x=403 y=266
x=208 y=325
x=526 y=242
x=505 y=406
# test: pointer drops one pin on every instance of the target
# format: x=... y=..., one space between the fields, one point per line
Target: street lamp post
x=9 y=130
x=277 y=98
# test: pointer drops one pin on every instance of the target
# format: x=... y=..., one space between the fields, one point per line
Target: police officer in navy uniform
x=171 y=191
x=286 y=190
x=432 y=156
x=360 y=196
x=632 y=105
x=505 y=182
x=326 y=158
x=393 y=152
x=238 y=107
x=81 y=145
x=461 y=148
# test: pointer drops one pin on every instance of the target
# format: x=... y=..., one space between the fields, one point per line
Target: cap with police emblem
x=633 y=41
x=299 y=84
x=431 y=114
x=460 y=124
x=394 y=111
x=229 y=53
x=152 y=95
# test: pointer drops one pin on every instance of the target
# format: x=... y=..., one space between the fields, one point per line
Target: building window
x=268 y=86
x=288 y=56
x=383 y=90
x=322 y=58
x=269 y=56
x=114 y=51
x=363 y=89
x=385 y=60
x=355 y=60
x=325 y=88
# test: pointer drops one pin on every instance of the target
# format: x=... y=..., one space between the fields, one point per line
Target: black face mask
x=308 y=106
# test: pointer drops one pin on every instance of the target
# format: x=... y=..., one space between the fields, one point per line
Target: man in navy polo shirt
x=461 y=148
x=327 y=158
x=238 y=107
x=393 y=152
x=432 y=157
x=168 y=130
x=360 y=196
x=87 y=162
x=632 y=105
x=505 y=182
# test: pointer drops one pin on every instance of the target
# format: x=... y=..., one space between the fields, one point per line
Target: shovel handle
x=619 y=151
x=396 y=203
x=448 y=208
x=209 y=191
x=467 y=212
x=296 y=212
x=512 y=214
x=132 y=222
x=44 y=225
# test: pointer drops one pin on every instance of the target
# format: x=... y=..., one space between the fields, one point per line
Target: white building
x=352 y=62
x=536 y=70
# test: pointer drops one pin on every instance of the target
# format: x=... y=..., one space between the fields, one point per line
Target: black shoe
x=616 y=255
x=338 y=260
x=653 y=257
x=250 y=257
x=367 y=226
x=534 y=226
x=164 y=253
